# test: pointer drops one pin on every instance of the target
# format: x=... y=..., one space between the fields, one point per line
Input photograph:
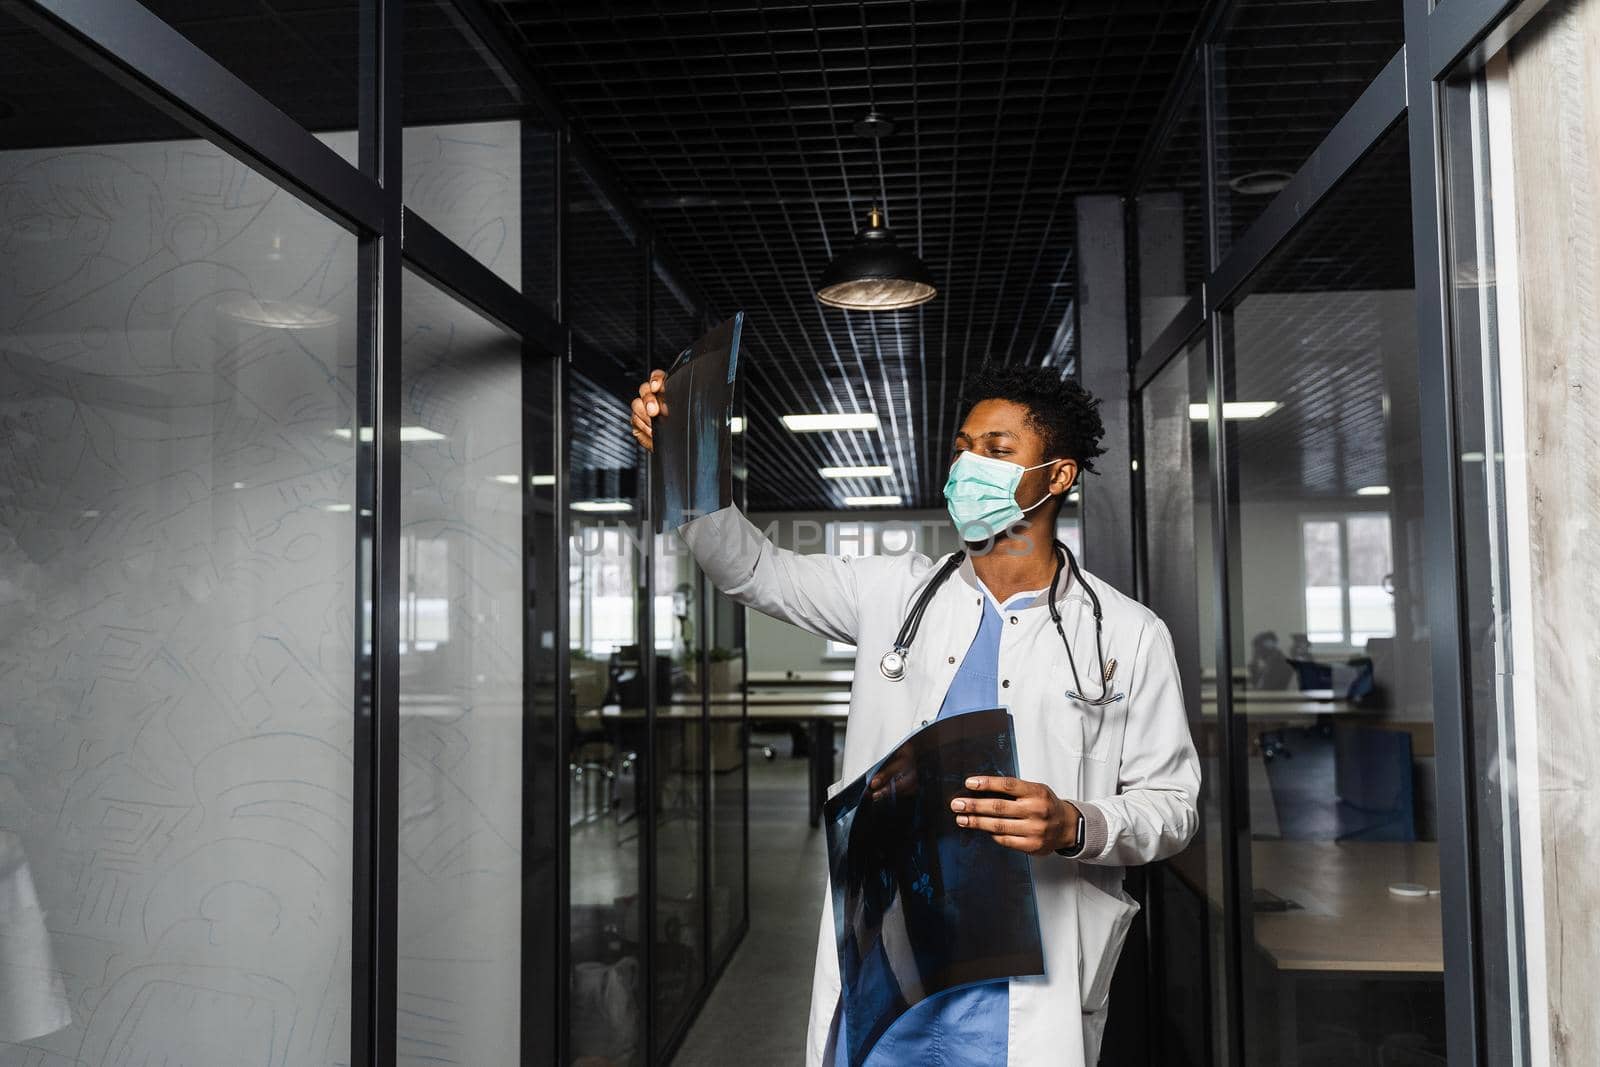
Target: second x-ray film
x=691 y=469
x=921 y=905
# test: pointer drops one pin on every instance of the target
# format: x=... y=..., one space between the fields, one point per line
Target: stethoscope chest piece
x=893 y=664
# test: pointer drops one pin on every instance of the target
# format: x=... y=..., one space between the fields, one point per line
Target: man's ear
x=1063 y=476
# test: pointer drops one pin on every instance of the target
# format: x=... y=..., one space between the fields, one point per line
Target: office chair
x=1303 y=791
x=1373 y=778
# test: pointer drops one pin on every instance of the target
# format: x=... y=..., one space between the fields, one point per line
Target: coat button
x=924 y=722
x=1005 y=684
x=952 y=659
x=1013 y=620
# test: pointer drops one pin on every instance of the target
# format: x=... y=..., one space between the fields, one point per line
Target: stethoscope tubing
x=893 y=663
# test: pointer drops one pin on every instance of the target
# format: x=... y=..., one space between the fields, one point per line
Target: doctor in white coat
x=1108 y=775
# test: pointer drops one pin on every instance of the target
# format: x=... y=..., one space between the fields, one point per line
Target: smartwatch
x=1076 y=848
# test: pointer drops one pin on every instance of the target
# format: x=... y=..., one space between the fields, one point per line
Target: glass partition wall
x=349 y=715
x=1318 y=515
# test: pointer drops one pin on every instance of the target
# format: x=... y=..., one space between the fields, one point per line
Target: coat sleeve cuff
x=1094 y=830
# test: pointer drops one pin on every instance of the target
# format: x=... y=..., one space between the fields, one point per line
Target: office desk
x=1348 y=922
x=823 y=678
x=819 y=718
x=760 y=698
x=818 y=711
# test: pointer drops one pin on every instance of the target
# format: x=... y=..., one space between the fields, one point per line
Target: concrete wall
x=1555 y=130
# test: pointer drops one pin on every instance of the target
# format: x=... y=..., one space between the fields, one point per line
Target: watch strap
x=1075 y=850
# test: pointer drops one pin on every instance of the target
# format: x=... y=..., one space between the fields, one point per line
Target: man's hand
x=646 y=406
x=897 y=776
x=1029 y=818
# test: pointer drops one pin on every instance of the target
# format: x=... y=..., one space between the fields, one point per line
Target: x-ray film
x=921 y=905
x=691 y=469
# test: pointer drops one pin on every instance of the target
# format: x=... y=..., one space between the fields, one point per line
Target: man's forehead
x=995 y=418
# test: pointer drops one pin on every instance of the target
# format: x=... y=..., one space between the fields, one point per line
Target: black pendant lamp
x=875 y=273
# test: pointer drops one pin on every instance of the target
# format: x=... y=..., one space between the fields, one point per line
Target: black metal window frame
x=1442 y=40
x=141 y=52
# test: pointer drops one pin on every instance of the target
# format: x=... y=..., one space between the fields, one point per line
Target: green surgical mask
x=981 y=494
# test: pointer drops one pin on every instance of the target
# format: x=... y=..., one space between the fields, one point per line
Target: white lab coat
x=1130 y=766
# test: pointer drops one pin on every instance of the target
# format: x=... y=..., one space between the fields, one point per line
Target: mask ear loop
x=1046 y=496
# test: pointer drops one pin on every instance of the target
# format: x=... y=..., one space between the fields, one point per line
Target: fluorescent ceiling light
x=601 y=505
x=514 y=479
x=1373 y=490
x=864 y=420
x=878 y=471
x=1074 y=496
x=871 y=501
x=736 y=424
x=1237 y=409
x=336 y=507
x=407 y=433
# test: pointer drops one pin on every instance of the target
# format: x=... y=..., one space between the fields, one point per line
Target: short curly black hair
x=1059 y=408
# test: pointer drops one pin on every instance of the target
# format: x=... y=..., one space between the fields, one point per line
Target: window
x=424 y=593
x=1348 y=567
x=855 y=537
x=601 y=579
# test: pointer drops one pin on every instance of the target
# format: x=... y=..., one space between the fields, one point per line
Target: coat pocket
x=1104 y=918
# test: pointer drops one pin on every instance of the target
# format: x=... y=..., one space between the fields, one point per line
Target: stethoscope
x=893 y=663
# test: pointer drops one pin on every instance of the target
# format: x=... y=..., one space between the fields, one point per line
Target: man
x=1108 y=774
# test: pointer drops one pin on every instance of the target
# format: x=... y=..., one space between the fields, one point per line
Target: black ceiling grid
x=1325 y=333
x=1285 y=73
x=731 y=125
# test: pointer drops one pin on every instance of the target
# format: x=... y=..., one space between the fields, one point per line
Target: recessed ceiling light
x=736 y=424
x=1373 y=490
x=543 y=479
x=863 y=420
x=1472 y=457
x=879 y=471
x=1237 y=409
x=1074 y=496
x=601 y=505
x=1260 y=182
x=871 y=501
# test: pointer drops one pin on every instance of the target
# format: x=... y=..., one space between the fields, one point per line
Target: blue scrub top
x=966 y=1027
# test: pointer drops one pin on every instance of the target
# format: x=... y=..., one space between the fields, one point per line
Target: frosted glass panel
x=177 y=546
x=461 y=706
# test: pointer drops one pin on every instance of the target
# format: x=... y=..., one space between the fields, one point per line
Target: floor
x=756 y=1015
